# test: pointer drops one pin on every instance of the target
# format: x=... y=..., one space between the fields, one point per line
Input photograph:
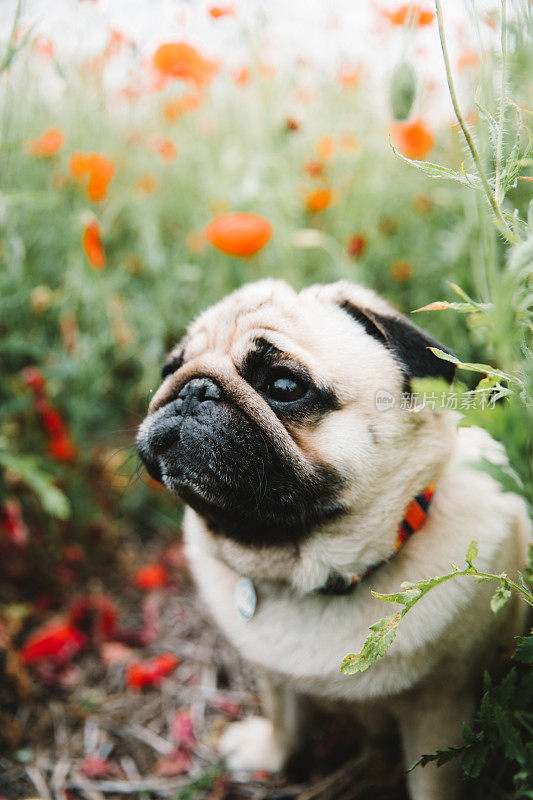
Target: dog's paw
x=251 y=745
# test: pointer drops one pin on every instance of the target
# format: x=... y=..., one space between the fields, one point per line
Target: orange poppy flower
x=400 y=271
x=98 y=168
x=195 y=242
x=165 y=147
x=325 y=147
x=241 y=75
x=422 y=204
x=92 y=245
x=174 y=108
x=349 y=76
x=222 y=11
x=490 y=18
x=114 y=45
x=468 y=60
x=181 y=60
x=348 y=143
x=267 y=70
x=239 y=234
x=48 y=144
x=314 y=168
x=147 y=183
x=414 y=139
x=101 y=173
x=408 y=11
x=320 y=199
x=44 y=46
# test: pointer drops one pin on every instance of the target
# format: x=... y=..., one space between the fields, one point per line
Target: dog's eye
x=284 y=388
x=171 y=366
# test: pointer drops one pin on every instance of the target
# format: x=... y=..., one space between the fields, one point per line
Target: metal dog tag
x=245 y=599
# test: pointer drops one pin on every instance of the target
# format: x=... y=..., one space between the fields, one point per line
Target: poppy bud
x=402 y=91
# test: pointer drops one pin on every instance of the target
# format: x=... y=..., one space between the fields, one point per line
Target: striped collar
x=245 y=595
x=414 y=518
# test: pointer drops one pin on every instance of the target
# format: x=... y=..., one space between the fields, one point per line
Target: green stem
x=499 y=144
x=526 y=594
x=504 y=227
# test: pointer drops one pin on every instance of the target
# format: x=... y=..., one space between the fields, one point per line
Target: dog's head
x=279 y=411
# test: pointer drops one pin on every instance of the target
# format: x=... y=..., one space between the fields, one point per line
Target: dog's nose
x=200 y=389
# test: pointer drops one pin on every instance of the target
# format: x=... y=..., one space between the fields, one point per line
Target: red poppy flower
x=95 y=614
x=181 y=729
x=35 y=379
x=12 y=525
x=414 y=139
x=53 y=422
x=98 y=767
x=59 y=641
x=150 y=673
x=48 y=144
x=239 y=234
x=92 y=245
x=408 y=11
x=181 y=60
x=176 y=763
x=62 y=448
x=356 y=245
x=149 y=577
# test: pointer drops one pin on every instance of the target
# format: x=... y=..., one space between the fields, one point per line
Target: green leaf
x=382 y=636
x=30 y=472
x=444 y=305
x=405 y=598
x=472 y=552
x=513 y=744
x=524 y=651
x=474 y=759
x=440 y=756
x=474 y=367
x=437 y=171
x=499 y=598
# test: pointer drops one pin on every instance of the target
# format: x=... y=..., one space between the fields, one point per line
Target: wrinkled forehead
x=230 y=326
x=316 y=333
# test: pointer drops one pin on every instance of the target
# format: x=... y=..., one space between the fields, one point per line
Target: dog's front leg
x=266 y=743
x=429 y=721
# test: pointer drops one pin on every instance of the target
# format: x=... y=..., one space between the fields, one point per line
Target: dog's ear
x=409 y=343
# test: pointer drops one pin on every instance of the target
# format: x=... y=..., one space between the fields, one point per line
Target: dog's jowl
x=308 y=484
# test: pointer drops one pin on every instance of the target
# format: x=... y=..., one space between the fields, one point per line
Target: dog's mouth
x=222 y=464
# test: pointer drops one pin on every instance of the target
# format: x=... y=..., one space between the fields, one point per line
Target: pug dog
x=281 y=424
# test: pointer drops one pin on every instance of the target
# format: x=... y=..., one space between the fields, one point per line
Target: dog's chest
x=302 y=638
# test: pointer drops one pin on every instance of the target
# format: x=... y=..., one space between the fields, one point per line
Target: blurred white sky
x=325 y=33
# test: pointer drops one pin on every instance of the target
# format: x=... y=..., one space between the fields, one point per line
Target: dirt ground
x=89 y=736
